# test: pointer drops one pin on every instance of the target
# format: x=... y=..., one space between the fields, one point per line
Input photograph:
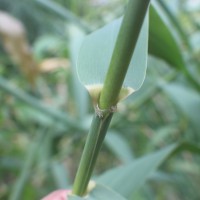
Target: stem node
x=102 y=112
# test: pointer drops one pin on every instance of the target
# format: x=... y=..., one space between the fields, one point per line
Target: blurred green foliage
x=43 y=127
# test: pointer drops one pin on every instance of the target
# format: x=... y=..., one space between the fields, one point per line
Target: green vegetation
x=151 y=148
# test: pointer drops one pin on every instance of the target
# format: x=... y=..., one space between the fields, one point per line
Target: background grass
x=43 y=126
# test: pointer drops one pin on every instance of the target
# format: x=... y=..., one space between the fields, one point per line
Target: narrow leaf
x=162 y=43
x=119 y=146
x=100 y=192
x=187 y=100
x=128 y=178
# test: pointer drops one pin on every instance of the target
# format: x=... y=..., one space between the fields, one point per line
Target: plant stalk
x=124 y=47
x=126 y=41
x=92 y=147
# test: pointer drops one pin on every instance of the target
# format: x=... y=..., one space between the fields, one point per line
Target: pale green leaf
x=100 y=192
x=61 y=175
x=187 y=100
x=129 y=178
x=119 y=146
x=96 y=51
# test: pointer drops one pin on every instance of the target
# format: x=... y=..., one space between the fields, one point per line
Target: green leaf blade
x=127 y=179
x=100 y=192
x=162 y=43
x=96 y=52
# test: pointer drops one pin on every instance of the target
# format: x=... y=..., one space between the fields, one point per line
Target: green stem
x=124 y=47
x=126 y=41
x=92 y=147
